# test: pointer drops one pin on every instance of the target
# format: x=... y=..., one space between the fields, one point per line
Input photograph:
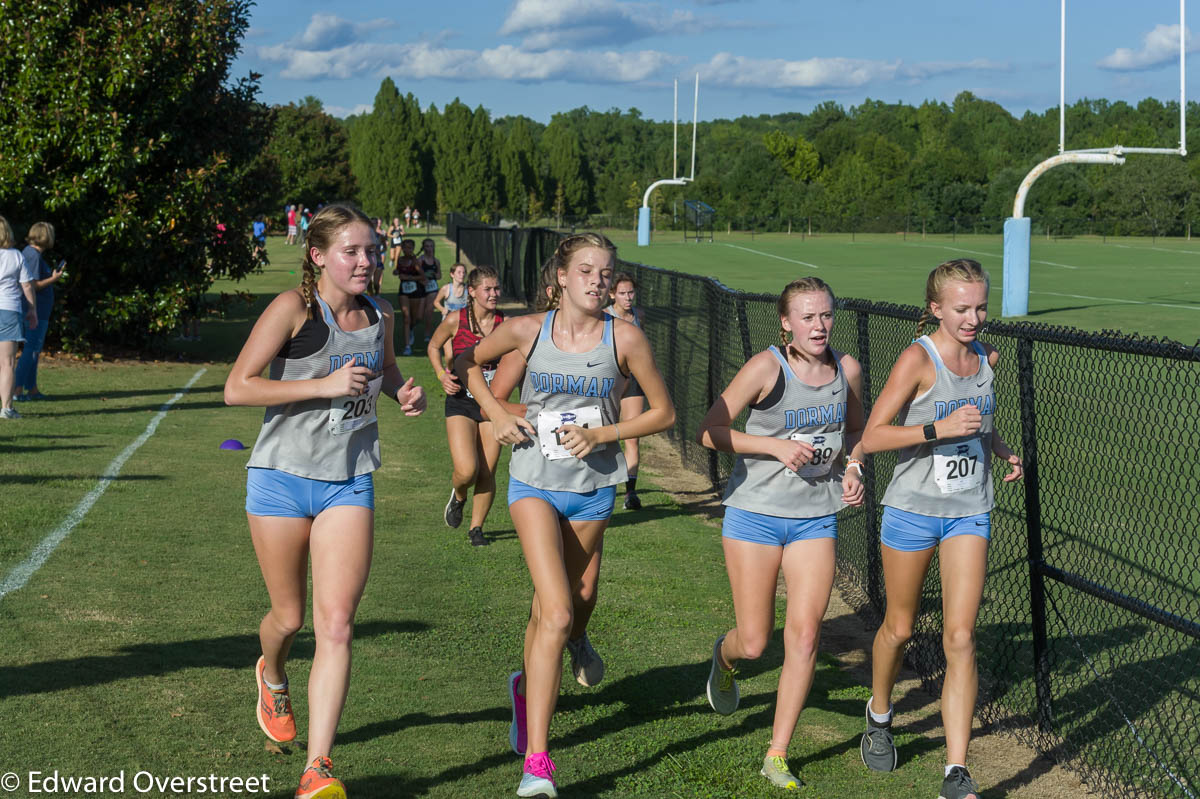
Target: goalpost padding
x=1016 y=267
x=643 y=226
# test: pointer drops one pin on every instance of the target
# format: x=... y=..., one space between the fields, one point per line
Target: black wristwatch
x=930 y=432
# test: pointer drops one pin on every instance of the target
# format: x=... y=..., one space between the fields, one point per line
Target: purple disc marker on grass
x=232 y=443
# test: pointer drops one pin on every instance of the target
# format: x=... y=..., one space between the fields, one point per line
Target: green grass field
x=1133 y=285
x=132 y=648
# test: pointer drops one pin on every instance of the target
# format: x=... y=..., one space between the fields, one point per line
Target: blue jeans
x=27 y=364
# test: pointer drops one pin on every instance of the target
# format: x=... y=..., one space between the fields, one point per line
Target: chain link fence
x=1088 y=636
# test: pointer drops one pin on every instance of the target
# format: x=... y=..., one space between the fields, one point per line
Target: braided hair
x=802 y=285
x=961 y=269
x=477 y=276
x=321 y=232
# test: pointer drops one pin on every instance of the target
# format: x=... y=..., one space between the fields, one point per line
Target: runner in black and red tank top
x=473 y=448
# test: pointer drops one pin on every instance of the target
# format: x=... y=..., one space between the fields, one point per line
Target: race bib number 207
x=959 y=466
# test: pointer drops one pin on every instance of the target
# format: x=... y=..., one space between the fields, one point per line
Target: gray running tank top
x=636 y=321
x=564 y=381
x=453 y=304
x=296 y=438
x=760 y=483
x=948 y=478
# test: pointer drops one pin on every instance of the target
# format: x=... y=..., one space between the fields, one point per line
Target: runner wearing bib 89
x=787 y=485
x=937 y=409
x=473 y=449
x=566 y=462
x=309 y=488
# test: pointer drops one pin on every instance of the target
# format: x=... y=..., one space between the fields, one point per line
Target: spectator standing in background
x=41 y=241
x=16 y=284
x=305 y=218
x=416 y=218
x=291 y=220
x=408 y=216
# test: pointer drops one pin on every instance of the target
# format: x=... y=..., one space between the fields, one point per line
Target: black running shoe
x=475 y=536
x=877 y=748
x=454 y=510
x=959 y=785
x=631 y=501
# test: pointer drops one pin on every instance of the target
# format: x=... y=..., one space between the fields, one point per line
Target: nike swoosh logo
x=360 y=490
x=594 y=365
x=981 y=385
x=981 y=524
x=839 y=391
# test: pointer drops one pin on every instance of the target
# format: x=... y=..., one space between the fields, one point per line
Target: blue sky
x=536 y=57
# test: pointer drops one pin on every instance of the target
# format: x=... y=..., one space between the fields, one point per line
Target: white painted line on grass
x=769 y=255
x=1157 y=249
x=20 y=575
x=1123 y=301
x=976 y=252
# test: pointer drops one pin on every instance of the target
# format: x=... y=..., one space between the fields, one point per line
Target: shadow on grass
x=39 y=479
x=155 y=659
x=146 y=392
x=153 y=407
x=49 y=448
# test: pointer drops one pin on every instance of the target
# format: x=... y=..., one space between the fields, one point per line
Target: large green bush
x=119 y=125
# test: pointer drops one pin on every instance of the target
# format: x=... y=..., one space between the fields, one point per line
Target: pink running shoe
x=537 y=781
x=516 y=731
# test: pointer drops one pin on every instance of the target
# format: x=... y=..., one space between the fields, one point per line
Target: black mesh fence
x=1089 y=633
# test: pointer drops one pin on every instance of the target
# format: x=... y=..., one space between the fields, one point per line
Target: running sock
x=631 y=485
x=880 y=718
x=952 y=765
x=273 y=686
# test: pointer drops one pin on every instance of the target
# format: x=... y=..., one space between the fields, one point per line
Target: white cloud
x=327 y=31
x=341 y=111
x=425 y=60
x=931 y=69
x=1159 y=47
x=727 y=69
x=546 y=24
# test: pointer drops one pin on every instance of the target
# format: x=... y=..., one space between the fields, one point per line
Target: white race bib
x=548 y=421
x=431 y=286
x=347 y=414
x=959 y=466
x=488 y=374
x=408 y=286
x=827 y=450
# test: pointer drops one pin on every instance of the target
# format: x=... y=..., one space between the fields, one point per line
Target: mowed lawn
x=1150 y=287
x=131 y=649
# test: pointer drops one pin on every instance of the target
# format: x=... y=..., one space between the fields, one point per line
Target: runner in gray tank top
x=309 y=488
x=633 y=402
x=565 y=463
x=586 y=664
x=937 y=410
x=789 y=480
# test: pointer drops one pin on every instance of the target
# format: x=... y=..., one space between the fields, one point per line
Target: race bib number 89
x=347 y=414
x=827 y=450
x=959 y=466
x=548 y=421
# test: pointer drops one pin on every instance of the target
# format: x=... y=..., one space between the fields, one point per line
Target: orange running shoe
x=274 y=708
x=318 y=782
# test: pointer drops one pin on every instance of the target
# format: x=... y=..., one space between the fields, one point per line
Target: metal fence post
x=874 y=559
x=714 y=367
x=744 y=326
x=1033 y=532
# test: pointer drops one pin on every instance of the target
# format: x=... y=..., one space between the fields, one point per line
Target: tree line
x=874 y=166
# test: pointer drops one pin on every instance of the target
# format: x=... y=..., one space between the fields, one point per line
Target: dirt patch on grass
x=1004 y=767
